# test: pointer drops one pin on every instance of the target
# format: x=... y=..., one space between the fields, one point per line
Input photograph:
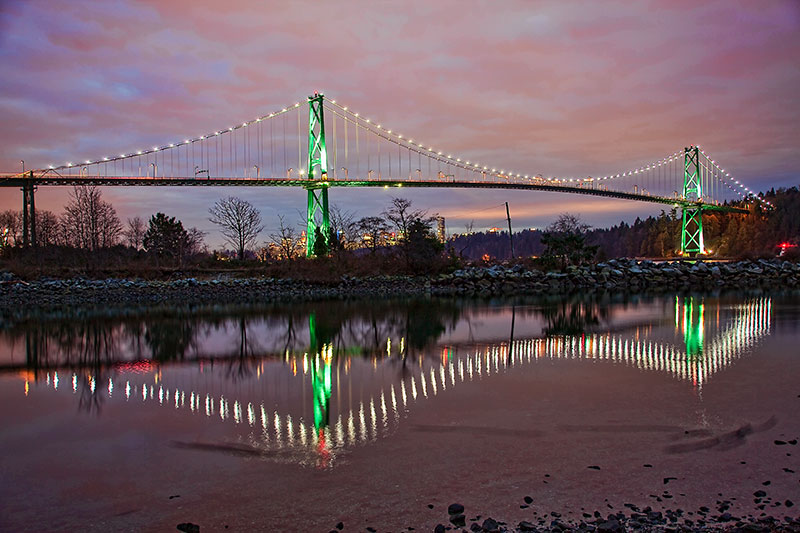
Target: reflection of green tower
x=320 y=374
x=693 y=325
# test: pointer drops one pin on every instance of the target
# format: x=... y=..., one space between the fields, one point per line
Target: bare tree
x=195 y=243
x=371 y=232
x=239 y=221
x=47 y=228
x=285 y=240
x=134 y=233
x=402 y=216
x=343 y=227
x=88 y=221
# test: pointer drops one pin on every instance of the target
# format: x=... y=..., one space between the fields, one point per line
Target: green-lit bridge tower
x=317 y=216
x=692 y=224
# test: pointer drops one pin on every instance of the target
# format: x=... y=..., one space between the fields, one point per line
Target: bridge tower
x=28 y=212
x=317 y=215
x=692 y=224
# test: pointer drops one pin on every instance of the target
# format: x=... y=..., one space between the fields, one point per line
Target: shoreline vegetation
x=476 y=281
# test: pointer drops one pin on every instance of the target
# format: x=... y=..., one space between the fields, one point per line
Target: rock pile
x=621 y=274
x=629 y=275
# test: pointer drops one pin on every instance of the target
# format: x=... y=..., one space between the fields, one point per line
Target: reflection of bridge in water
x=693 y=358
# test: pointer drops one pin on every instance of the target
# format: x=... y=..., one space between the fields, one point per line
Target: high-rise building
x=440 y=233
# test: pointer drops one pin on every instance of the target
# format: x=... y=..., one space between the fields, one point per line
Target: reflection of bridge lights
x=371 y=418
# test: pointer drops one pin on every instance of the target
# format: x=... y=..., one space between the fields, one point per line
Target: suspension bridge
x=343 y=148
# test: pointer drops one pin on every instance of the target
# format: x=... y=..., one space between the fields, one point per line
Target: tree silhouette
x=239 y=220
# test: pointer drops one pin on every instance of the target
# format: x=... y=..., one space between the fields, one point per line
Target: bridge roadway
x=49 y=179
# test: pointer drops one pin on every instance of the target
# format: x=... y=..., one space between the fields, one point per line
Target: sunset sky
x=551 y=87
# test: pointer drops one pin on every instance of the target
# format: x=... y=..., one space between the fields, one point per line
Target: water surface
x=297 y=417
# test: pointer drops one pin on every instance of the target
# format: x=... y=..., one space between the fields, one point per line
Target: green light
x=317 y=165
x=692 y=219
x=693 y=324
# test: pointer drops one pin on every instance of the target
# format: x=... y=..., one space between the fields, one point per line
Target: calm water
x=296 y=417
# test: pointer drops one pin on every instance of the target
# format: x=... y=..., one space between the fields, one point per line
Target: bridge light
x=333 y=101
x=356 y=114
x=171 y=145
x=140 y=152
x=105 y=159
x=345 y=108
x=88 y=162
x=122 y=155
x=367 y=120
x=389 y=131
x=51 y=166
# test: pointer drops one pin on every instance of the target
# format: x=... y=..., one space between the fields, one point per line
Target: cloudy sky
x=551 y=87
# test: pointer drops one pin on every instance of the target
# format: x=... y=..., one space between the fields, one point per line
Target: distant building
x=440 y=233
x=494 y=230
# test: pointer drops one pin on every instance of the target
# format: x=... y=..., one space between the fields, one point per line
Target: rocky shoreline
x=498 y=280
x=702 y=520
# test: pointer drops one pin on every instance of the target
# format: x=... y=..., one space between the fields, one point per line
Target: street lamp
x=23 y=165
x=419 y=174
x=346 y=173
x=155 y=169
x=258 y=171
x=289 y=173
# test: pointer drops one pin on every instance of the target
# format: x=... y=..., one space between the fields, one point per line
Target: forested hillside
x=727 y=235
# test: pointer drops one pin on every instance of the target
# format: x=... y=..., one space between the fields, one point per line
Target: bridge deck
x=48 y=179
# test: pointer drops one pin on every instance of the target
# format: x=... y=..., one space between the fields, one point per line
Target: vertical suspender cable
x=335 y=149
x=299 y=145
x=358 y=151
x=271 y=148
x=285 y=160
